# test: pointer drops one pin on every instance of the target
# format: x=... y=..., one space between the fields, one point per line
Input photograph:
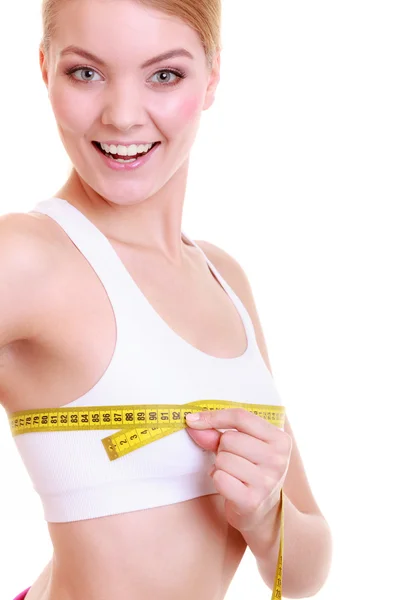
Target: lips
x=125 y=163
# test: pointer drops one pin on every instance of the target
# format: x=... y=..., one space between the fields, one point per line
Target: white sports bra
x=70 y=470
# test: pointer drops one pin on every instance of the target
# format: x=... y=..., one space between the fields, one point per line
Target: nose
x=124 y=107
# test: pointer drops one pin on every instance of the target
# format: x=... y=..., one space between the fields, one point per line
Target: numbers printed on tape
x=139 y=425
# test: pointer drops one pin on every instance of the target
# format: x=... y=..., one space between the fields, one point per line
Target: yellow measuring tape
x=138 y=426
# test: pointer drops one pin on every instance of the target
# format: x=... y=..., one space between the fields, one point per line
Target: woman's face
x=117 y=98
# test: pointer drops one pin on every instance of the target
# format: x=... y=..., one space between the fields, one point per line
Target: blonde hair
x=204 y=16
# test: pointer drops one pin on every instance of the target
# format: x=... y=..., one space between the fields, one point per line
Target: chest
x=78 y=333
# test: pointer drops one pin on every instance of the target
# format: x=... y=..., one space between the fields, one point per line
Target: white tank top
x=151 y=364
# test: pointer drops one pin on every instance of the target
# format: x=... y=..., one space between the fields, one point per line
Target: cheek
x=178 y=113
x=71 y=109
x=190 y=108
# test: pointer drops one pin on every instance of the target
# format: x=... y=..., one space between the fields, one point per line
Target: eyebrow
x=89 y=56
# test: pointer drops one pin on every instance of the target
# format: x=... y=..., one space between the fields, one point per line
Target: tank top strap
x=242 y=310
x=97 y=250
x=124 y=294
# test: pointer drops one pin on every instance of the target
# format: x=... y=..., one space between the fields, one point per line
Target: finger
x=209 y=439
x=238 y=467
x=242 y=444
x=235 y=418
x=229 y=487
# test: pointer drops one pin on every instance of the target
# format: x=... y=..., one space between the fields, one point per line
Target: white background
x=295 y=173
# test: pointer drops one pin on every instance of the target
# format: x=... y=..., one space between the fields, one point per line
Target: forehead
x=122 y=28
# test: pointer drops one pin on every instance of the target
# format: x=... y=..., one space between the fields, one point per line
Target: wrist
x=265 y=537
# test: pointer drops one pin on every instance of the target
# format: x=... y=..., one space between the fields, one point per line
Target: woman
x=124 y=308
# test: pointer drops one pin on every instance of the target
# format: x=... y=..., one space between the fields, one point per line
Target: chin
x=127 y=193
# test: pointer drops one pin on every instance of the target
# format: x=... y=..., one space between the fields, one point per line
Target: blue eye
x=85 y=70
x=167 y=77
x=167 y=80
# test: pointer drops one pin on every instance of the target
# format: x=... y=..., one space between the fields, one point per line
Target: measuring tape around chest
x=138 y=426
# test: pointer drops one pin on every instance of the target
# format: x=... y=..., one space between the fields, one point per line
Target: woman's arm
x=307 y=536
x=307 y=550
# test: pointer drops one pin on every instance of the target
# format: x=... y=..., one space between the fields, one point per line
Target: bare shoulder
x=26 y=259
x=22 y=234
x=296 y=486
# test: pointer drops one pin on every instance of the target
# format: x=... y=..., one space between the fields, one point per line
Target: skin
x=140 y=212
x=142 y=208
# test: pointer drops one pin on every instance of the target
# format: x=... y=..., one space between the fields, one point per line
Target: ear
x=43 y=65
x=215 y=75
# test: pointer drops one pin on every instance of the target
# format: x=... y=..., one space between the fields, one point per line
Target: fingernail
x=193 y=417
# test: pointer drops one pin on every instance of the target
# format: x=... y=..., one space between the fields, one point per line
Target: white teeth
x=132 y=150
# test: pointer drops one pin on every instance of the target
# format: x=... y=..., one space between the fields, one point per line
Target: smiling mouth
x=120 y=157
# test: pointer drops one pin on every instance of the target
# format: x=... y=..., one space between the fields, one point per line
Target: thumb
x=206 y=438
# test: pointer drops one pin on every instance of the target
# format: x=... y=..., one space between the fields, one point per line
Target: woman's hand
x=250 y=464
